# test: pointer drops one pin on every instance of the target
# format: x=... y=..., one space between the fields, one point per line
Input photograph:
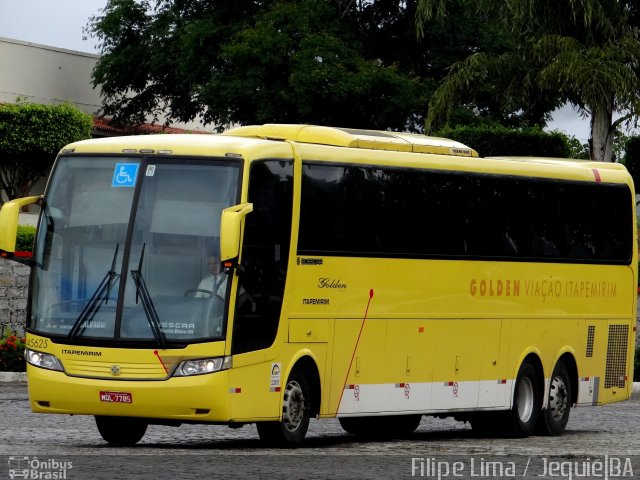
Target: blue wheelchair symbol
x=125 y=175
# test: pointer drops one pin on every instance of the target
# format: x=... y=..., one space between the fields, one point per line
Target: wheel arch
x=306 y=364
x=569 y=361
x=532 y=358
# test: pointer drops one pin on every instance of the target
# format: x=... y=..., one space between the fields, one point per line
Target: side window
x=265 y=256
x=396 y=212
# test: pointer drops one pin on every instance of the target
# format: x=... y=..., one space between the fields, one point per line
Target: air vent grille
x=617 y=345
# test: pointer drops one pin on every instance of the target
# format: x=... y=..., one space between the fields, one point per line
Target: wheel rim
x=558 y=398
x=293 y=407
x=525 y=399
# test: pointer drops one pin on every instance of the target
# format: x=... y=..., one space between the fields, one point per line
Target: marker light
x=202 y=366
x=42 y=360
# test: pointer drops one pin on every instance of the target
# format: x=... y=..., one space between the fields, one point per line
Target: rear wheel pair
x=526 y=415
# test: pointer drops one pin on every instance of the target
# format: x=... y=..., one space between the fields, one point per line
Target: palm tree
x=587 y=52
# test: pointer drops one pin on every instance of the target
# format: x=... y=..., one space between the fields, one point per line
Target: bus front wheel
x=296 y=413
x=554 y=418
x=121 y=431
x=523 y=416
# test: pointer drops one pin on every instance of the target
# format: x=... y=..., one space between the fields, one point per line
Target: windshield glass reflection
x=99 y=276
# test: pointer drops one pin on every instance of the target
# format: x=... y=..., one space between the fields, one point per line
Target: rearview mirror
x=231 y=233
x=9 y=216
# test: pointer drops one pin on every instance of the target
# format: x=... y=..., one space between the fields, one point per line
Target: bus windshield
x=127 y=250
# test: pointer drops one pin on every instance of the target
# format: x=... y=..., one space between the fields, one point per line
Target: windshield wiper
x=93 y=305
x=150 y=311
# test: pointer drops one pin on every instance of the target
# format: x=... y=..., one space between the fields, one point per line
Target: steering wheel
x=194 y=291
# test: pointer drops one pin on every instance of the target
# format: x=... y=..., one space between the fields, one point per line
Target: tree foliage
x=583 y=52
x=492 y=141
x=246 y=62
x=338 y=62
x=30 y=137
x=632 y=159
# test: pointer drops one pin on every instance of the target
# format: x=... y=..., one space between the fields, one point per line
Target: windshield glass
x=127 y=250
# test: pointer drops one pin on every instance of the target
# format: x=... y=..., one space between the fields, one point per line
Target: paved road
x=46 y=442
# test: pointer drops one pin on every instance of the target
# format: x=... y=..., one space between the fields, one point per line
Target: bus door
x=260 y=292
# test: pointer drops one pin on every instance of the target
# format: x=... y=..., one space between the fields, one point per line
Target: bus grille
x=614 y=375
x=125 y=371
x=590 y=338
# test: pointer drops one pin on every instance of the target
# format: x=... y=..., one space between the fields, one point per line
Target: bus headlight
x=42 y=360
x=202 y=366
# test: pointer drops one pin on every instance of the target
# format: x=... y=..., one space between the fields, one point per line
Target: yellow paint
x=428 y=321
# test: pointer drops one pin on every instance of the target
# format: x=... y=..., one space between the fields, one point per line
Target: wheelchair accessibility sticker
x=125 y=175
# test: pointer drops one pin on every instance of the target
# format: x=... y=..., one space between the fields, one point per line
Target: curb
x=6 y=377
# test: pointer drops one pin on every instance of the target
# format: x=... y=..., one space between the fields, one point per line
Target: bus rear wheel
x=522 y=418
x=554 y=418
x=296 y=413
x=121 y=431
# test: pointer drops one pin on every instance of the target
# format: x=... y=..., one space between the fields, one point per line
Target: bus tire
x=121 y=431
x=296 y=413
x=554 y=418
x=523 y=416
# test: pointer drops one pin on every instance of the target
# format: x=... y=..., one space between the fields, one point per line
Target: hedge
x=30 y=137
x=632 y=159
x=31 y=127
x=502 y=141
x=25 y=237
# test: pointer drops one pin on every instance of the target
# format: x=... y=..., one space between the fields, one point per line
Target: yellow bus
x=279 y=273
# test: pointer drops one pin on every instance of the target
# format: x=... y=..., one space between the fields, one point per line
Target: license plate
x=116 y=397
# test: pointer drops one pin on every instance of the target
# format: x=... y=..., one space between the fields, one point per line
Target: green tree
x=583 y=52
x=30 y=137
x=335 y=62
x=247 y=62
x=297 y=63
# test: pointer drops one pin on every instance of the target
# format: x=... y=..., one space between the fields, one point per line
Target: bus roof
x=355 y=138
x=269 y=141
x=563 y=161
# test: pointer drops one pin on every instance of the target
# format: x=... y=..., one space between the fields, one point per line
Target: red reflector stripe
x=235 y=390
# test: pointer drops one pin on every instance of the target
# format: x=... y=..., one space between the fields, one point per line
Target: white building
x=44 y=74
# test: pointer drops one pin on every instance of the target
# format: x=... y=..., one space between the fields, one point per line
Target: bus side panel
x=358 y=366
x=251 y=396
x=466 y=373
x=409 y=365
